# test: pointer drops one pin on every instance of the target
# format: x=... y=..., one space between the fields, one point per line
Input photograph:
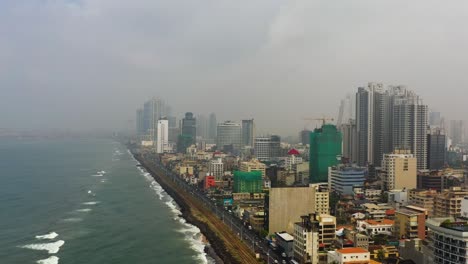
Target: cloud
x=91 y=63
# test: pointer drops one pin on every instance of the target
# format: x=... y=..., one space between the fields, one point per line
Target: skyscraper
x=153 y=110
x=410 y=127
x=162 y=142
x=325 y=151
x=248 y=132
x=387 y=120
x=139 y=122
x=202 y=126
x=350 y=148
x=228 y=134
x=434 y=119
x=371 y=121
x=189 y=127
x=212 y=126
x=436 y=149
x=305 y=136
x=457 y=131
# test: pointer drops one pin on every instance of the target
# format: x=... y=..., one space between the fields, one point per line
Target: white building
x=343 y=178
x=162 y=140
x=373 y=227
x=349 y=255
x=217 y=168
x=292 y=159
x=448 y=241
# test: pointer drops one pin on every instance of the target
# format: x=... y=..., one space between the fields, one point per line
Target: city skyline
x=89 y=71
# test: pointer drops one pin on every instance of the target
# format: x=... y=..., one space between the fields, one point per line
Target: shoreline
x=215 y=248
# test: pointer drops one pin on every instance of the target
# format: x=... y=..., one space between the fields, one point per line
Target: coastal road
x=232 y=242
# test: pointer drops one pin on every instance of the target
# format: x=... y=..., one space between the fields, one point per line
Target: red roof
x=390 y=212
x=293 y=152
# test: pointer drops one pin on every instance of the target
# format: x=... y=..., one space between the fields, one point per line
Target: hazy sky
x=89 y=64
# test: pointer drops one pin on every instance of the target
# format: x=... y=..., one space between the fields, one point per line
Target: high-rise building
x=248 y=133
x=228 y=135
x=162 y=141
x=267 y=147
x=212 y=126
x=202 y=127
x=139 y=122
x=457 y=131
x=388 y=120
x=189 y=127
x=436 y=149
x=399 y=170
x=371 y=122
x=350 y=147
x=435 y=119
x=153 y=110
x=305 y=136
x=410 y=127
x=325 y=151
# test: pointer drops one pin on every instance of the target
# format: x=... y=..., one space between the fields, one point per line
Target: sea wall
x=217 y=245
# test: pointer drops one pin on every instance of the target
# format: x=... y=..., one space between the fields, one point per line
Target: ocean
x=86 y=201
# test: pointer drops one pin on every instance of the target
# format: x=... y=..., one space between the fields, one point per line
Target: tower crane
x=323 y=119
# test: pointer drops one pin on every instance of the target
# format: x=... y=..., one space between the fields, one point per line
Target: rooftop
x=381 y=222
x=285 y=236
x=352 y=250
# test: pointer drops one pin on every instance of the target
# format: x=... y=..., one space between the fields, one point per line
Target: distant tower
x=325 y=151
x=228 y=134
x=153 y=110
x=436 y=149
x=248 y=132
x=139 y=122
x=189 y=127
x=162 y=142
x=212 y=126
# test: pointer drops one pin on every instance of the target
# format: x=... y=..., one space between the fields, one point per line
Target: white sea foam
x=52 y=248
x=91 y=203
x=49 y=260
x=73 y=219
x=51 y=235
x=97 y=175
x=84 y=210
x=103 y=180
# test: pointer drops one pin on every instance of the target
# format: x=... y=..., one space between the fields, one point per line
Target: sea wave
x=51 y=235
x=52 y=248
x=84 y=210
x=91 y=203
x=73 y=219
x=49 y=260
